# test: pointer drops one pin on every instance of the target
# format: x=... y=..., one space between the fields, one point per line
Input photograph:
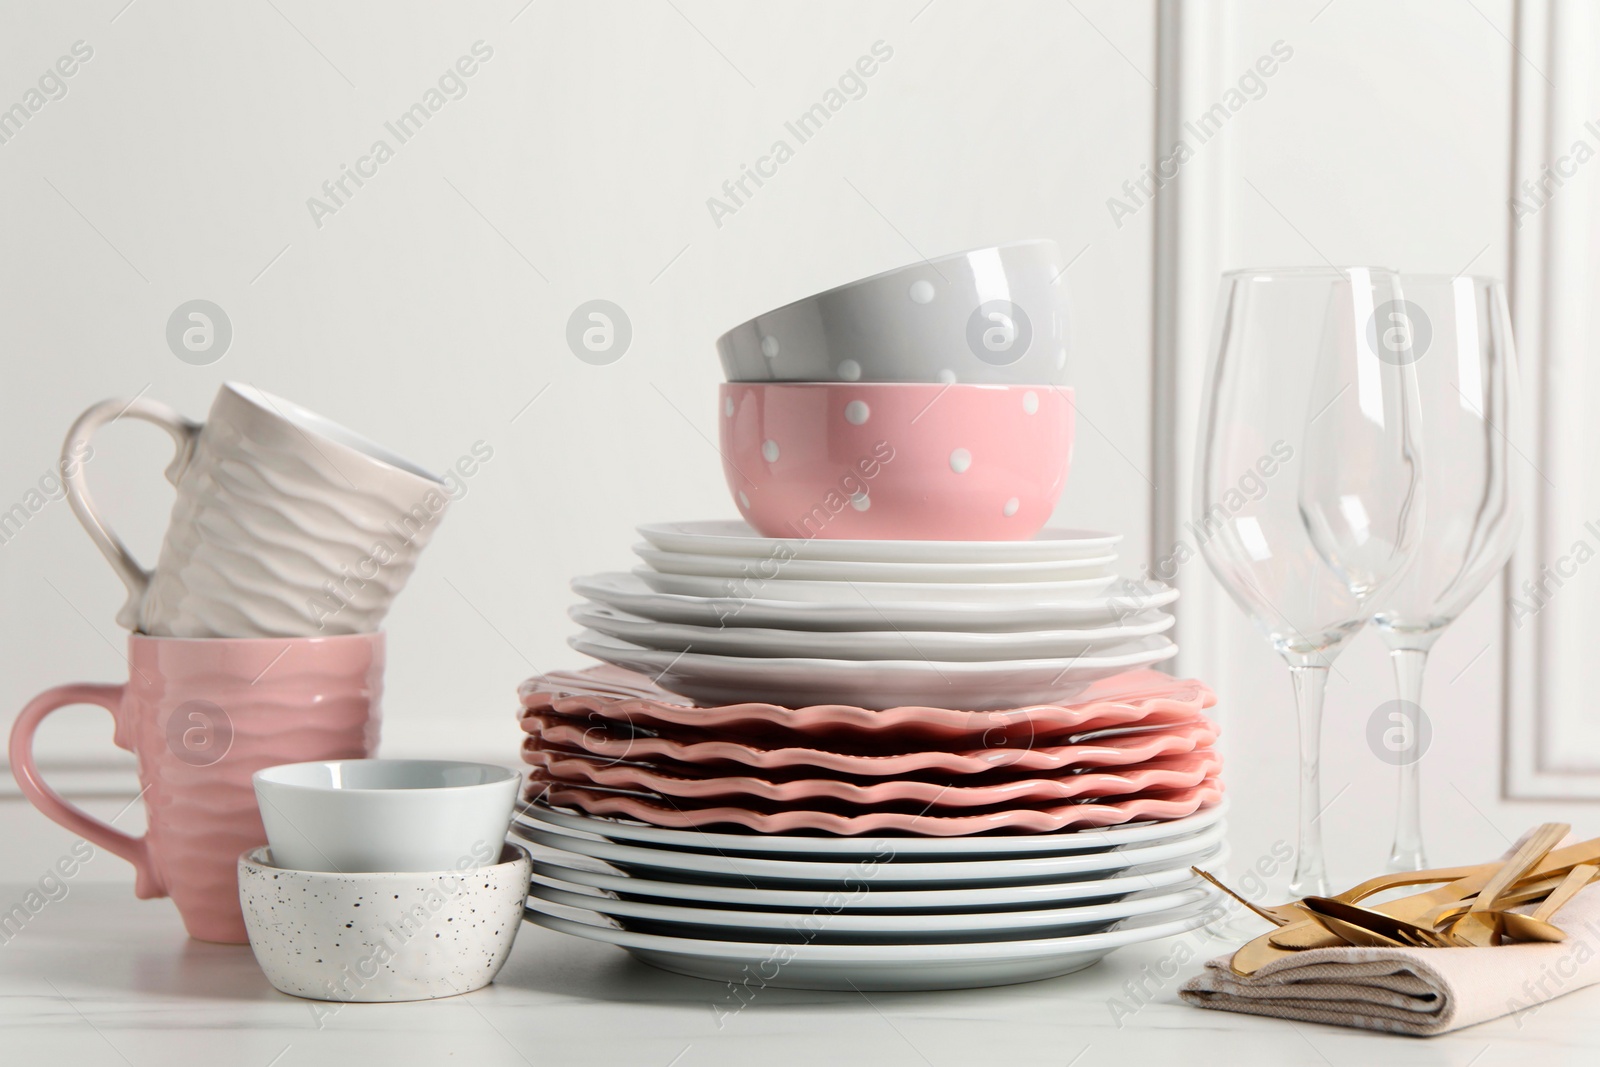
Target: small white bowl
x=385 y=814
x=382 y=936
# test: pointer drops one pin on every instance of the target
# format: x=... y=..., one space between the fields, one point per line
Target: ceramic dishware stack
x=383 y=880
x=881 y=844
x=811 y=875
x=255 y=639
x=890 y=731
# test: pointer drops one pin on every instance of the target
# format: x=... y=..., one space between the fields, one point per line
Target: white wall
x=589 y=143
x=179 y=163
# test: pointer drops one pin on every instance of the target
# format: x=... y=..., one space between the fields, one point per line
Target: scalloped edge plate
x=1124 y=751
x=1167 y=804
x=1127 y=698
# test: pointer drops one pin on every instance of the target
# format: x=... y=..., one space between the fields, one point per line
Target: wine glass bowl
x=1460 y=348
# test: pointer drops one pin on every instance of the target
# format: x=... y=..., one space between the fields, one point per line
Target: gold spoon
x=1538 y=927
x=1475 y=928
x=1535 y=927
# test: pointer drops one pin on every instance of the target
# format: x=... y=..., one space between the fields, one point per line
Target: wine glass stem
x=1407 y=855
x=1309 y=874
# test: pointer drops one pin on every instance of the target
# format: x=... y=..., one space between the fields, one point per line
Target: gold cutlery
x=1308 y=934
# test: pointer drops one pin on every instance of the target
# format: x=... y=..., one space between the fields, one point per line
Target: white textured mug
x=285 y=525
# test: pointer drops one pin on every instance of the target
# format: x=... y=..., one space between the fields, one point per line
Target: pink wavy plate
x=613 y=693
x=1177 y=772
x=1172 y=805
x=616 y=743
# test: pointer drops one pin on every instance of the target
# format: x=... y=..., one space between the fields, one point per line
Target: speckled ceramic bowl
x=383 y=936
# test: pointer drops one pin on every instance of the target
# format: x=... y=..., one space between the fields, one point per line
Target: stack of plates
x=1138 y=748
x=868 y=913
x=914 y=847
x=719 y=614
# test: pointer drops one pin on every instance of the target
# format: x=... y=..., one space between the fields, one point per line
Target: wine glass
x=1308 y=499
x=1456 y=334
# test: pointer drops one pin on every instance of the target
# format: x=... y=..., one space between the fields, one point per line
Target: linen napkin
x=1420 y=992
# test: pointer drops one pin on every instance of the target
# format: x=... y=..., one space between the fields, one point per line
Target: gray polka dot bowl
x=384 y=936
x=992 y=315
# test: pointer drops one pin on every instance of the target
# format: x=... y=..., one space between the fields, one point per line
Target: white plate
x=725 y=538
x=797 y=682
x=886 y=868
x=863 y=644
x=795 y=846
x=627 y=592
x=876 y=593
x=583 y=870
x=831 y=924
x=783 y=568
x=877 y=967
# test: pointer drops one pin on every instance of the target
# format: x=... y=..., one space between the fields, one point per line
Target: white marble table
x=100 y=978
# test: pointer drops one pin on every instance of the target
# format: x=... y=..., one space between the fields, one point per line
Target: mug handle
x=183 y=432
x=133 y=849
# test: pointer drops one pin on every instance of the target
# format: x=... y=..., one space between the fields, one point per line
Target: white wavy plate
x=797 y=846
x=735 y=538
x=597 y=874
x=879 y=967
x=795 y=682
x=627 y=592
x=782 y=568
x=862 y=644
x=876 y=593
x=885 y=868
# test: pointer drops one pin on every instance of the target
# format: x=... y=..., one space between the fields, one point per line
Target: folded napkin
x=1413 y=991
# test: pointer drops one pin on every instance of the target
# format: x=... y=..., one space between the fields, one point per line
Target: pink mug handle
x=133 y=849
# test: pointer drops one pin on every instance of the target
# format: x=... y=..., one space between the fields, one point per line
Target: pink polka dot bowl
x=896 y=461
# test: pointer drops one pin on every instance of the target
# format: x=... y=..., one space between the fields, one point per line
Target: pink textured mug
x=202 y=716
